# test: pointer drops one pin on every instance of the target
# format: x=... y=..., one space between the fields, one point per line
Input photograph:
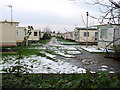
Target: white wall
x=8 y=33
x=34 y=38
x=21 y=34
x=102 y=42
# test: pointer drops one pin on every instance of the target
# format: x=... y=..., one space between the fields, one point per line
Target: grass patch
x=25 y=49
x=67 y=42
x=50 y=52
x=41 y=54
x=44 y=55
x=55 y=60
x=24 y=52
x=63 y=40
x=42 y=41
x=88 y=80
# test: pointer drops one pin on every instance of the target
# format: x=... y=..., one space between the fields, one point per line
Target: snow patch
x=73 y=52
x=111 y=72
x=103 y=66
x=43 y=65
x=68 y=48
x=103 y=69
x=38 y=48
x=50 y=55
x=94 y=49
x=65 y=55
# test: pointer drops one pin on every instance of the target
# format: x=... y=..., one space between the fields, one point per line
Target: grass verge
x=25 y=51
x=88 y=80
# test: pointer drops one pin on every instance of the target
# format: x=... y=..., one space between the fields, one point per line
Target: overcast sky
x=57 y=14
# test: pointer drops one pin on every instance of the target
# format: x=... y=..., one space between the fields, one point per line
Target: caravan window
x=86 y=34
x=35 y=33
x=103 y=33
x=16 y=32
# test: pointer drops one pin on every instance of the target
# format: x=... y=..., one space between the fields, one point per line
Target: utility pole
x=10 y=6
x=87 y=31
x=119 y=22
x=11 y=10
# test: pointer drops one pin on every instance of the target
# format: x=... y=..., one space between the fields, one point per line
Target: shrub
x=46 y=36
x=116 y=54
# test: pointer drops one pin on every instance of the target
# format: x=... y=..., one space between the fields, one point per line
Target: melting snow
x=38 y=48
x=65 y=55
x=68 y=48
x=73 y=52
x=103 y=66
x=94 y=49
x=103 y=69
x=43 y=65
x=50 y=55
x=111 y=72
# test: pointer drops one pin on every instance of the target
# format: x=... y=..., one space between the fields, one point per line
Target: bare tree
x=47 y=29
x=25 y=41
x=109 y=8
x=111 y=12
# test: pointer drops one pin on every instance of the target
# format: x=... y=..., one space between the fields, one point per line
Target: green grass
x=62 y=40
x=44 y=41
x=65 y=41
x=41 y=54
x=25 y=49
x=88 y=80
x=50 y=52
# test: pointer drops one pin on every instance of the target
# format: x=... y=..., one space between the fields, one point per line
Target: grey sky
x=57 y=14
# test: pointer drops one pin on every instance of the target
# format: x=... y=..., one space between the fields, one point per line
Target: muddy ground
x=86 y=60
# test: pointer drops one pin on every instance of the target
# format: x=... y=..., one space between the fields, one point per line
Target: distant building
x=80 y=35
x=73 y=35
x=53 y=34
x=63 y=35
x=21 y=32
x=108 y=33
x=68 y=35
x=8 y=33
x=35 y=36
x=76 y=35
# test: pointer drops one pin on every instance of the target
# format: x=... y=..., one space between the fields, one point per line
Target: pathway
x=86 y=60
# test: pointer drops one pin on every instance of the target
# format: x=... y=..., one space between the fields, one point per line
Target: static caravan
x=68 y=35
x=107 y=34
x=35 y=36
x=21 y=32
x=83 y=35
x=8 y=33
